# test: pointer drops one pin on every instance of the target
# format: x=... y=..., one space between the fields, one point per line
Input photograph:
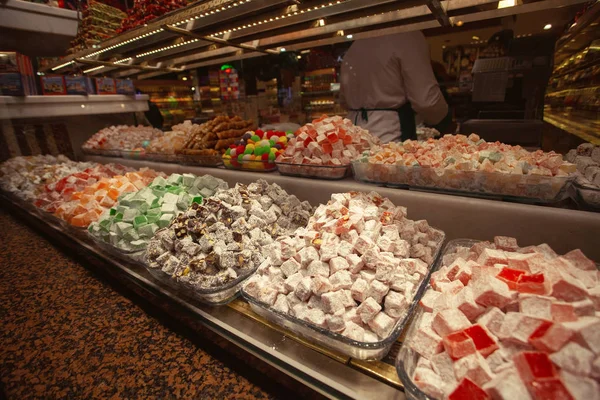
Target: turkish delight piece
x=549 y=389
x=320 y=285
x=535 y=284
x=468 y=390
x=304 y=289
x=426 y=342
x=341 y=280
x=428 y=300
x=355 y=263
x=466 y=303
x=518 y=327
x=507 y=385
x=491 y=292
x=449 y=321
x=290 y=267
x=354 y=331
x=490 y=257
x=506 y=243
x=473 y=367
x=574 y=358
x=563 y=312
x=510 y=276
x=382 y=324
x=485 y=343
x=567 y=288
x=459 y=345
x=443 y=365
x=550 y=337
x=534 y=366
x=537 y=306
x=395 y=304
x=368 y=309
x=590 y=335
x=318 y=267
x=377 y=291
x=580 y=260
x=332 y=302
x=429 y=382
x=359 y=290
x=580 y=387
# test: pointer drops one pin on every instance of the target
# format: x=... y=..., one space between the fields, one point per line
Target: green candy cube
x=143 y=208
x=130 y=214
x=138 y=244
x=113 y=211
x=197 y=199
x=174 y=179
x=122 y=228
x=147 y=231
x=131 y=235
x=183 y=202
x=165 y=220
x=159 y=181
x=159 y=191
x=118 y=217
x=188 y=179
x=170 y=198
x=206 y=192
x=170 y=208
x=140 y=220
x=152 y=218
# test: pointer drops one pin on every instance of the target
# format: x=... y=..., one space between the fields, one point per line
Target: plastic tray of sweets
x=331 y=172
x=335 y=341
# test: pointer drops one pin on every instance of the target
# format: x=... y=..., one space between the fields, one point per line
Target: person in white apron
x=386 y=80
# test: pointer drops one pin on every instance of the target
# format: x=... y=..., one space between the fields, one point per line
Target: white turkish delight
x=581 y=388
x=292 y=299
x=368 y=309
x=372 y=229
x=337 y=264
x=307 y=255
x=466 y=303
x=428 y=300
x=507 y=385
x=328 y=251
x=384 y=271
x=320 y=285
x=517 y=327
x=340 y=280
x=382 y=324
x=352 y=315
x=363 y=244
x=303 y=289
x=449 y=321
x=347 y=299
x=350 y=237
x=359 y=290
x=453 y=287
x=355 y=263
x=395 y=304
x=426 y=342
x=385 y=244
x=370 y=258
x=300 y=310
x=315 y=316
x=268 y=295
x=574 y=358
x=345 y=248
x=290 y=267
x=473 y=367
x=377 y=290
x=354 y=332
x=281 y=304
x=335 y=323
x=315 y=302
x=318 y=267
x=429 y=382
x=414 y=265
x=332 y=302
x=534 y=305
x=292 y=281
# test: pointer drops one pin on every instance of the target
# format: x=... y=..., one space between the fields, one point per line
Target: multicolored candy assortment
x=89 y=204
x=257 y=149
x=132 y=222
x=327 y=141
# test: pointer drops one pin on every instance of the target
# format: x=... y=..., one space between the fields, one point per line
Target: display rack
x=572 y=99
x=69 y=105
x=219 y=31
x=40 y=19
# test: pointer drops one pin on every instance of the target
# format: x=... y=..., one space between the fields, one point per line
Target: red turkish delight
x=467 y=390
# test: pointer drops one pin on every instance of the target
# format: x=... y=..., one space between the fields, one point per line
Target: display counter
x=459 y=217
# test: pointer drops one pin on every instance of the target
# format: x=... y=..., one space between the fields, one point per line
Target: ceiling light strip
x=166 y=48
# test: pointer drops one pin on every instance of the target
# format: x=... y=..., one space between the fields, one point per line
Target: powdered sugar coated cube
x=368 y=309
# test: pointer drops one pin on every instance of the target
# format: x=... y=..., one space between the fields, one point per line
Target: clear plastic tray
x=213 y=296
x=102 y=152
x=407 y=359
x=115 y=251
x=162 y=157
x=336 y=341
x=133 y=154
x=496 y=185
x=587 y=196
x=200 y=160
x=331 y=172
x=250 y=165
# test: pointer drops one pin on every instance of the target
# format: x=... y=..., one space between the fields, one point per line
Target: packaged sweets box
x=79 y=85
x=16 y=74
x=125 y=86
x=53 y=85
x=106 y=86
